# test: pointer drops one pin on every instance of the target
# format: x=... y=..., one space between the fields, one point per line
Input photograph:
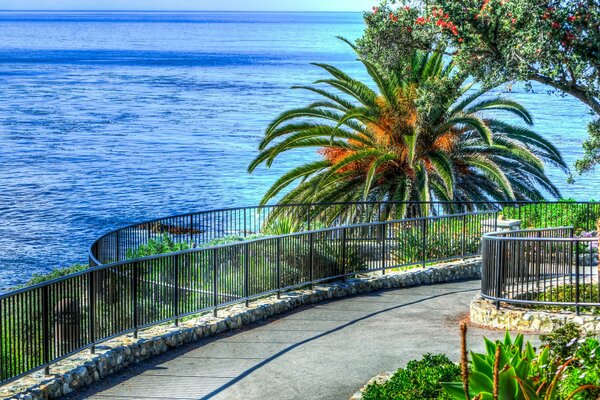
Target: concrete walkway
x=326 y=351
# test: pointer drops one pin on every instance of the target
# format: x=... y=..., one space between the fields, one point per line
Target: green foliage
x=54 y=274
x=420 y=380
x=584 y=371
x=554 y=42
x=563 y=213
x=591 y=149
x=230 y=240
x=562 y=342
x=421 y=135
x=164 y=244
x=283 y=225
x=568 y=343
x=567 y=294
x=445 y=240
x=512 y=370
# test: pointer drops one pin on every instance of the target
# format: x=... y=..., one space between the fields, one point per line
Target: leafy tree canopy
x=554 y=42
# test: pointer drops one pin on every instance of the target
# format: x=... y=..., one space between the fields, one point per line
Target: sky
x=192 y=5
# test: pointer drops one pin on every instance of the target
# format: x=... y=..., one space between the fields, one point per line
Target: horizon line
x=193 y=11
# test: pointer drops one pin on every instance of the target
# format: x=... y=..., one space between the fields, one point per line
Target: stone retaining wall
x=379 y=379
x=84 y=368
x=483 y=312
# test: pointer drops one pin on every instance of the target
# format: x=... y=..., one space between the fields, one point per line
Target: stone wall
x=483 y=312
x=111 y=356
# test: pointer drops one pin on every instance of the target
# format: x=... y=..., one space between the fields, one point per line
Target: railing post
x=176 y=289
x=383 y=250
x=245 y=223
x=117 y=246
x=577 y=277
x=215 y=283
x=424 y=241
x=134 y=297
x=92 y=310
x=278 y=266
x=46 y=328
x=311 y=259
x=587 y=220
x=499 y=270
x=246 y=273
x=308 y=217
x=464 y=236
x=191 y=229
x=344 y=254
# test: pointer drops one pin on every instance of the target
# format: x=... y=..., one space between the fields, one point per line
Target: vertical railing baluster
x=311 y=261
x=215 y=283
x=499 y=267
x=424 y=241
x=246 y=273
x=383 y=249
x=92 y=310
x=344 y=262
x=176 y=289
x=117 y=246
x=45 y=306
x=278 y=266
x=134 y=297
x=464 y=236
x=576 y=276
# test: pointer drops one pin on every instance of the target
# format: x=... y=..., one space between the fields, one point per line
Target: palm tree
x=420 y=137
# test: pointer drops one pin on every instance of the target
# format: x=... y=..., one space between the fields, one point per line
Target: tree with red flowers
x=554 y=42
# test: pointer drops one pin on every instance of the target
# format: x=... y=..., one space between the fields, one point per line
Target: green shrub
x=583 y=371
x=512 y=370
x=567 y=293
x=444 y=240
x=164 y=244
x=564 y=213
x=420 y=380
x=54 y=274
x=562 y=342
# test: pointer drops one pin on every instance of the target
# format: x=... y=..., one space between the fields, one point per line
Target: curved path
x=325 y=351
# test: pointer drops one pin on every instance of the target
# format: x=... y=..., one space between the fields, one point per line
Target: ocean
x=116 y=117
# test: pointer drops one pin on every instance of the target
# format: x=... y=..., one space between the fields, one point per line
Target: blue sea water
x=112 y=118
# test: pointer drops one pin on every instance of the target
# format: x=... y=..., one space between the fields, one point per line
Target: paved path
x=326 y=351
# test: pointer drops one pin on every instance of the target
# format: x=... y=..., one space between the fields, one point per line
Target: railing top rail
x=511 y=236
x=228 y=245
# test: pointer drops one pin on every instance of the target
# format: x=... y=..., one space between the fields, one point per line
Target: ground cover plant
x=419 y=380
x=564 y=367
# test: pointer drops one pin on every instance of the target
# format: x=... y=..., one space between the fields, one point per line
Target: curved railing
x=541 y=268
x=47 y=322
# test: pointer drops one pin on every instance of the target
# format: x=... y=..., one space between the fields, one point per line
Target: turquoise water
x=111 y=118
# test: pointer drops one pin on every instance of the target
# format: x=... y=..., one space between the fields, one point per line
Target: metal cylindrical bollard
x=66 y=325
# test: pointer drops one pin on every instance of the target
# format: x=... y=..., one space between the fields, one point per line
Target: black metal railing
x=42 y=324
x=541 y=268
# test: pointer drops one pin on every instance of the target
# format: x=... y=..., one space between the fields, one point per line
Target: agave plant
x=419 y=136
x=509 y=370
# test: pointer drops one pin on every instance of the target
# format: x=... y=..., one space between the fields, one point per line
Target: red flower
x=571 y=18
x=420 y=21
x=460 y=40
x=555 y=25
x=407 y=8
x=513 y=21
x=375 y=10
